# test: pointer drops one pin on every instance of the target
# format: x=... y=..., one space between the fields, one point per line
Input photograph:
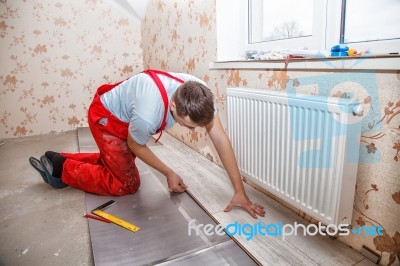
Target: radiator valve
x=358 y=110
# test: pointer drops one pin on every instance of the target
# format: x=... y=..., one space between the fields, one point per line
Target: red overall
x=112 y=171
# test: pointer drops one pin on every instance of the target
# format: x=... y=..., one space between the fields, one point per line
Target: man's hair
x=195 y=100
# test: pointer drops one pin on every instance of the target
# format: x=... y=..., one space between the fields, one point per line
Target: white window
x=373 y=24
x=312 y=24
x=284 y=24
x=265 y=24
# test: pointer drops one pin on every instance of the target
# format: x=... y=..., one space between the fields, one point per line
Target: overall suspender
x=163 y=92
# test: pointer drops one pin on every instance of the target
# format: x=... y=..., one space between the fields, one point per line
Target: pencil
x=96 y=218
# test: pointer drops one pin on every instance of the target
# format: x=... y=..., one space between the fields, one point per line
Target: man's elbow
x=134 y=146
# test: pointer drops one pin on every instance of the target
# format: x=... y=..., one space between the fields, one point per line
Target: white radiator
x=303 y=149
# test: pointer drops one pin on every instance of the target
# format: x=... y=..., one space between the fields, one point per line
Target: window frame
x=313 y=42
x=232 y=33
x=376 y=46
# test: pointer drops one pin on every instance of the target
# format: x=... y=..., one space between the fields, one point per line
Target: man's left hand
x=240 y=199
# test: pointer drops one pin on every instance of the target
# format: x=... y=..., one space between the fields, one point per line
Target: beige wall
x=54 y=54
x=181 y=36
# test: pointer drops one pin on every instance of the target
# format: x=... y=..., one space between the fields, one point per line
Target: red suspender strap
x=161 y=88
x=107 y=87
x=165 y=74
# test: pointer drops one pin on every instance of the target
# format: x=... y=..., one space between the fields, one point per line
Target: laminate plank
x=267 y=250
x=211 y=187
x=365 y=262
x=206 y=181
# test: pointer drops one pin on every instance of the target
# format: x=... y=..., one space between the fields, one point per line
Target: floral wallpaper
x=181 y=36
x=54 y=54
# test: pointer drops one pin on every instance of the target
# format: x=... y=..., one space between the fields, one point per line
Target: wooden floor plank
x=365 y=262
x=210 y=185
x=268 y=250
x=199 y=179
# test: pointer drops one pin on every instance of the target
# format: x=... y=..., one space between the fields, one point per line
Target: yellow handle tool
x=114 y=219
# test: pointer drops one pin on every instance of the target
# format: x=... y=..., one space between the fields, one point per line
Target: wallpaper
x=181 y=36
x=54 y=54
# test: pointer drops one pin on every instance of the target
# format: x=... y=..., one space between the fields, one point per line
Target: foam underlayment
x=163 y=219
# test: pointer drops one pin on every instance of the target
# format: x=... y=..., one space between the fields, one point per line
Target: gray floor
x=43 y=226
x=38 y=224
x=163 y=219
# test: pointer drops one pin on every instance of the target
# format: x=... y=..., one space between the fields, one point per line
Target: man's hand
x=224 y=148
x=175 y=182
x=241 y=200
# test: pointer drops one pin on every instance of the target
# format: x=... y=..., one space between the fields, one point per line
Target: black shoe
x=38 y=167
x=48 y=168
x=51 y=154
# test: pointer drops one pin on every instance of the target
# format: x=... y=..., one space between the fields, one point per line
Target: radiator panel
x=295 y=147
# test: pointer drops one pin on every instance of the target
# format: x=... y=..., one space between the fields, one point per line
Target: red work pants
x=112 y=171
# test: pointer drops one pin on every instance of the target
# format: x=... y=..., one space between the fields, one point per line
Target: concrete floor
x=38 y=224
x=43 y=226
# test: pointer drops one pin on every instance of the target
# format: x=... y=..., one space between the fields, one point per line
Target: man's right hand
x=175 y=182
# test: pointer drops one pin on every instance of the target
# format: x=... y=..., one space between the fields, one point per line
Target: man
x=122 y=119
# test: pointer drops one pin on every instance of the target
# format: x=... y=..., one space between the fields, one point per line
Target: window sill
x=377 y=62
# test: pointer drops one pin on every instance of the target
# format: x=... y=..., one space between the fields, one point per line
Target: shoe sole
x=48 y=168
x=38 y=167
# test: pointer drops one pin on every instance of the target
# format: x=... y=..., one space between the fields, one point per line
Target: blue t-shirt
x=138 y=102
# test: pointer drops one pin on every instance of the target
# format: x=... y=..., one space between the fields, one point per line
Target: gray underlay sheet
x=163 y=220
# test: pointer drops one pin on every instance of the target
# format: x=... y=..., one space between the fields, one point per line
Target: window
x=266 y=24
x=306 y=24
x=284 y=24
x=372 y=23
